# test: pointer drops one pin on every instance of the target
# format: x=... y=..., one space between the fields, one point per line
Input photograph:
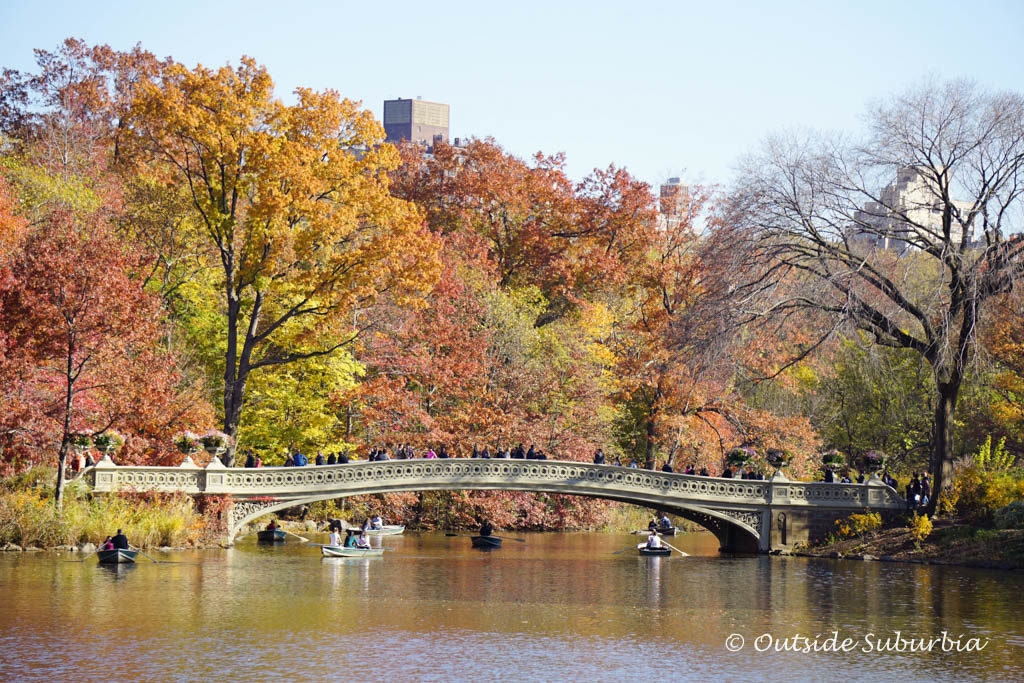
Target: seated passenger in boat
x=654 y=540
x=107 y=544
x=664 y=522
x=120 y=541
x=486 y=529
x=362 y=541
x=376 y=522
x=335 y=538
x=350 y=538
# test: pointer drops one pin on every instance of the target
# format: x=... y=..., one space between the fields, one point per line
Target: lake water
x=560 y=606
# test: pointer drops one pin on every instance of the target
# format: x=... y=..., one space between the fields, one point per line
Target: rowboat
x=117 y=556
x=271 y=536
x=644 y=550
x=662 y=531
x=339 y=551
x=486 y=542
x=387 y=530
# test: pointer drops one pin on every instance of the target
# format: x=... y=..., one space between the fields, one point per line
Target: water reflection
x=558 y=606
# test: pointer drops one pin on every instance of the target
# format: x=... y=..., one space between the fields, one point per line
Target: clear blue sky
x=661 y=88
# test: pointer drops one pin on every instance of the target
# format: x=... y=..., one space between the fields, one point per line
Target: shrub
x=858 y=525
x=1010 y=516
x=977 y=493
x=866 y=523
x=997 y=460
x=80 y=440
x=920 y=526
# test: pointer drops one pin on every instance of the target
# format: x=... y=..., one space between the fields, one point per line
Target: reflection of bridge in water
x=745 y=515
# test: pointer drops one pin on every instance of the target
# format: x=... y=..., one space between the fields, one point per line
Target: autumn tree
x=293 y=201
x=935 y=187
x=570 y=240
x=76 y=318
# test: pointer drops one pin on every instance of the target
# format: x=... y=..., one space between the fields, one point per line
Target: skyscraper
x=415 y=120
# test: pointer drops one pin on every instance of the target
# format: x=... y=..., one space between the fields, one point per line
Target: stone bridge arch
x=735 y=532
x=739 y=512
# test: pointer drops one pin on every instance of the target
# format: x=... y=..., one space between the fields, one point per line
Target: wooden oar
x=156 y=561
x=295 y=535
x=139 y=551
x=664 y=542
x=507 y=538
x=87 y=556
x=328 y=545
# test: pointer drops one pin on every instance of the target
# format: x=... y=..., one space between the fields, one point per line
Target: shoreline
x=952 y=543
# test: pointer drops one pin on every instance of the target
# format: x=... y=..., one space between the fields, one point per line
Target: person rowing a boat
x=664 y=523
x=486 y=529
x=654 y=540
x=120 y=541
x=335 y=538
x=376 y=523
x=272 y=526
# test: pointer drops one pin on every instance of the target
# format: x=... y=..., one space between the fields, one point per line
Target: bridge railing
x=564 y=476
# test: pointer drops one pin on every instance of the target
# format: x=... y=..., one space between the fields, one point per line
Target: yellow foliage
x=920 y=526
x=858 y=524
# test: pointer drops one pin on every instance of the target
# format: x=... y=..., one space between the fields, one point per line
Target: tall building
x=908 y=210
x=674 y=203
x=416 y=121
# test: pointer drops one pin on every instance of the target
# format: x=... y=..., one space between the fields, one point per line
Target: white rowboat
x=339 y=551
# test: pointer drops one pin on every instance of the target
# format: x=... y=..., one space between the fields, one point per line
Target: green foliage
x=998 y=460
x=40 y=190
x=297 y=406
x=879 y=399
x=1010 y=516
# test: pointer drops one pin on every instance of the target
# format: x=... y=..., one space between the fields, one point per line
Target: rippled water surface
x=560 y=606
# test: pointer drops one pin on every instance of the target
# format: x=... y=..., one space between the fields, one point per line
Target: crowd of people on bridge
x=918 y=491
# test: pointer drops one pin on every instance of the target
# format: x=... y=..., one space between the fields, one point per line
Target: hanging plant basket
x=109 y=442
x=740 y=456
x=80 y=441
x=778 y=458
x=873 y=461
x=832 y=460
x=215 y=442
x=187 y=442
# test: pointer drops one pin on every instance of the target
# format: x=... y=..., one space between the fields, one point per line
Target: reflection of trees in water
x=553 y=586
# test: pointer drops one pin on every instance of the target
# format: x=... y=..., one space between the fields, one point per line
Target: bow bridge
x=745 y=515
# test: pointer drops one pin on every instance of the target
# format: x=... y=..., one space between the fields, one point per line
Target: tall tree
x=293 y=200
x=76 y=326
x=843 y=226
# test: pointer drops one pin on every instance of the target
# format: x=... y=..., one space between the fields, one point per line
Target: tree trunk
x=69 y=398
x=651 y=450
x=942 y=441
x=62 y=458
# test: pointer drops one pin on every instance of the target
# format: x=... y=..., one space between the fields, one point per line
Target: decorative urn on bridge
x=873 y=461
